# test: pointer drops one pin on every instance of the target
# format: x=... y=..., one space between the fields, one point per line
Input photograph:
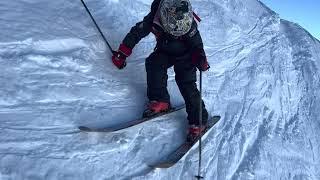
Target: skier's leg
x=156 y=68
x=186 y=81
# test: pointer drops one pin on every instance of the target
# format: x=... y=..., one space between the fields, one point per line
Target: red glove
x=119 y=57
x=199 y=59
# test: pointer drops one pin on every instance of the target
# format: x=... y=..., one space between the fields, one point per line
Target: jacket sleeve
x=198 y=57
x=141 y=29
x=194 y=39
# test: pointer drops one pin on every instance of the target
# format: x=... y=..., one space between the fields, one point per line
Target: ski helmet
x=176 y=16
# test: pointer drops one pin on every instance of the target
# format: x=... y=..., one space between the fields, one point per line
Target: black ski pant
x=185 y=75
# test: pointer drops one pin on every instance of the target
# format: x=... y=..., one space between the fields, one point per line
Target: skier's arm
x=196 y=45
x=194 y=38
x=137 y=32
x=141 y=29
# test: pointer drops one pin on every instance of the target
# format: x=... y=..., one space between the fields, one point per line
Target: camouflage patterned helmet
x=176 y=16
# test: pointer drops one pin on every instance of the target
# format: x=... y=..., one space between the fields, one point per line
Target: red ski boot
x=155 y=107
x=195 y=131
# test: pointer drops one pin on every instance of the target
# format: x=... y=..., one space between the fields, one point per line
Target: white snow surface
x=56 y=74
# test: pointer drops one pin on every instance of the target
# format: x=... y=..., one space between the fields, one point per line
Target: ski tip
x=83 y=128
x=161 y=165
x=199 y=177
x=87 y=129
x=217 y=117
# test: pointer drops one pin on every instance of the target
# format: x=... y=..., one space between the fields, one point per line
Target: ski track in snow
x=56 y=75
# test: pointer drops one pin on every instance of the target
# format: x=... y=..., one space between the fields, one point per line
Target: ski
x=176 y=155
x=128 y=124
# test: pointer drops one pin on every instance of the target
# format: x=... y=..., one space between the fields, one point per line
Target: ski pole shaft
x=104 y=38
x=200 y=123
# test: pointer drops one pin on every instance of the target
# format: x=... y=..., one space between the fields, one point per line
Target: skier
x=179 y=44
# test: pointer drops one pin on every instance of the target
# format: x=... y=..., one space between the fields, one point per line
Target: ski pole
x=200 y=123
x=104 y=38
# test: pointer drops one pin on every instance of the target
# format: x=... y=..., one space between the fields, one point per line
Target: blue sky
x=304 y=12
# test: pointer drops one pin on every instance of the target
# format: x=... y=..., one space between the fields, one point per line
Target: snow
x=56 y=74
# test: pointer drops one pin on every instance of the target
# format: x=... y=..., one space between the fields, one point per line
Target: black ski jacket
x=171 y=45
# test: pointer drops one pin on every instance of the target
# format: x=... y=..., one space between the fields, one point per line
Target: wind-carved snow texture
x=56 y=74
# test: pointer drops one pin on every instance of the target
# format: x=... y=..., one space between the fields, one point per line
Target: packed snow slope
x=56 y=74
